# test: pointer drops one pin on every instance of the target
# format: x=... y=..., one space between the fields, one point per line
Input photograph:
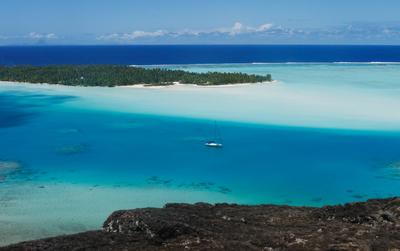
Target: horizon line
x=184 y=44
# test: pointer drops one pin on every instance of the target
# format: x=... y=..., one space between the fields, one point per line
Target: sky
x=31 y=22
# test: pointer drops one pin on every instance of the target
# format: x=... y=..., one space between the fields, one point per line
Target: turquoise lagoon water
x=323 y=134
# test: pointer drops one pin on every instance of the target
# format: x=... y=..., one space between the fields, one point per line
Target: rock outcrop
x=371 y=225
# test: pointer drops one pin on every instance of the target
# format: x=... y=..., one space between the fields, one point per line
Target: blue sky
x=199 y=22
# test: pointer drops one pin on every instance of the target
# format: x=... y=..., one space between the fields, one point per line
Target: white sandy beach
x=179 y=85
x=279 y=103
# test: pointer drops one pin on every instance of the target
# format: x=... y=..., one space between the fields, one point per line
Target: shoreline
x=372 y=224
x=48 y=215
x=299 y=104
x=141 y=86
x=179 y=85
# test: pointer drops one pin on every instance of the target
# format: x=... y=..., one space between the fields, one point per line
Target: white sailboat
x=214 y=143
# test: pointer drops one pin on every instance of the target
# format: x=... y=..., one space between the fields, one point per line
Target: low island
x=118 y=75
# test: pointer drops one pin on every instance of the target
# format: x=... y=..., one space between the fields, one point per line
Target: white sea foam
x=384 y=63
x=265 y=63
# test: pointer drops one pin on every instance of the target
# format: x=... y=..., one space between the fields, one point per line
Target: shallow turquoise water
x=259 y=164
x=364 y=75
x=63 y=138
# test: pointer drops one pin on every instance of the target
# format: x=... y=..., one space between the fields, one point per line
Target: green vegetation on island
x=116 y=75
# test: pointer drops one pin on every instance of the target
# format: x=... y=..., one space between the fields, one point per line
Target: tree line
x=116 y=75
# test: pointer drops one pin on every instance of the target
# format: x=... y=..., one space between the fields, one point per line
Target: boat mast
x=215 y=130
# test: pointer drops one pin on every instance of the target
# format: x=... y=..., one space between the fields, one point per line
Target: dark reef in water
x=72 y=149
x=18 y=108
x=8 y=169
x=371 y=225
x=204 y=185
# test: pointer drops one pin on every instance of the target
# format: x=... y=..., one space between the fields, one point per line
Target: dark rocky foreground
x=372 y=225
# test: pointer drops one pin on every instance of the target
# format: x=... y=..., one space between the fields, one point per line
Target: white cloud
x=239 y=28
x=267 y=32
x=264 y=27
x=30 y=38
x=39 y=36
x=236 y=29
x=186 y=32
x=237 y=33
x=131 y=36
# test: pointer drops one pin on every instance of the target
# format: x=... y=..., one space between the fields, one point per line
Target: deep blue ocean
x=195 y=54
